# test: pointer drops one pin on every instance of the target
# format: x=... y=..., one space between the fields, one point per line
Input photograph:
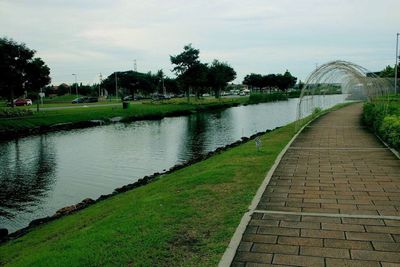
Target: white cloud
x=253 y=35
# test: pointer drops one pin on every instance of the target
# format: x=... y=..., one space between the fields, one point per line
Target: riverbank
x=182 y=218
x=27 y=121
x=54 y=120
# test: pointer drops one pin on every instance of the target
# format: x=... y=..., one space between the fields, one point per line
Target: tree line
x=23 y=73
x=270 y=81
x=20 y=70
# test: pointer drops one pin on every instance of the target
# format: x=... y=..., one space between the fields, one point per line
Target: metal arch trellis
x=351 y=77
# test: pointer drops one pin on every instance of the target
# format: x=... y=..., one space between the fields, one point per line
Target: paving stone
x=322 y=234
x=245 y=246
x=260 y=238
x=253 y=257
x=325 y=252
x=320 y=219
x=350 y=244
x=350 y=263
x=278 y=231
x=363 y=221
x=375 y=255
x=343 y=227
x=369 y=237
x=307 y=225
x=386 y=246
x=275 y=248
x=264 y=222
x=298 y=260
x=389 y=264
x=303 y=241
x=383 y=229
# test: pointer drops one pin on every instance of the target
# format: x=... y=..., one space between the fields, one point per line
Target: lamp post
x=116 y=87
x=395 y=66
x=76 y=84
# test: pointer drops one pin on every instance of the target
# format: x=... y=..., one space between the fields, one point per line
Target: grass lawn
x=162 y=108
x=185 y=218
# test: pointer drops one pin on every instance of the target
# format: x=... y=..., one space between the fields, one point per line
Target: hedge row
x=384 y=119
x=14 y=112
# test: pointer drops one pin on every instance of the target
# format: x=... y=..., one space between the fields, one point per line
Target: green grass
x=146 y=109
x=185 y=218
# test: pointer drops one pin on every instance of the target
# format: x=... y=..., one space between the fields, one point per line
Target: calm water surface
x=40 y=174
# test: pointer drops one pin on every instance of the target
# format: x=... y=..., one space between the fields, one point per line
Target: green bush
x=294 y=94
x=390 y=130
x=384 y=119
x=14 y=112
x=316 y=111
x=265 y=97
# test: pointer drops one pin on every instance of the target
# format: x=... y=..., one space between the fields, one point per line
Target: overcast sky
x=259 y=36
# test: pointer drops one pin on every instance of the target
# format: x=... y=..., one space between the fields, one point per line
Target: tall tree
x=185 y=63
x=388 y=72
x=253 y=80
x=20 y=71
x=220 y=74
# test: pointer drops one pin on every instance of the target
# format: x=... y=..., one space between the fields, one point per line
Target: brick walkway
x=334 y=200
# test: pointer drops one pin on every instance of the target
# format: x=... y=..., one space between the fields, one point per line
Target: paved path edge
x=230 y=251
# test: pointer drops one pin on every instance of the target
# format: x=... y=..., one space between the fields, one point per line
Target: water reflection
x=25 y=178
x=41 y=174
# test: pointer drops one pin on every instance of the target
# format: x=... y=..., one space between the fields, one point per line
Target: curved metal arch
x=350 y=76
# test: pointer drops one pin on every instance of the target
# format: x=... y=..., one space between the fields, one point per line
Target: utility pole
x=395 y=67
x=101 y=79
x=134 y=65
x=76 y=84
x=116 y=87
x=164 y=89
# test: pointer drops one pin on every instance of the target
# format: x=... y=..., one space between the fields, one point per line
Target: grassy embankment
x=185 y=218
x=157 y=109
x=382 y=115
x=20 y=119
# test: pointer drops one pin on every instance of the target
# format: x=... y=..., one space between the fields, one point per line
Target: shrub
x=390 y=130
x=14 y=112
x=316 y=111
x=384 y=119
x=294 y=94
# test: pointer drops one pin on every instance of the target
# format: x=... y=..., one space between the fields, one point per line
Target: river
x=40 y=174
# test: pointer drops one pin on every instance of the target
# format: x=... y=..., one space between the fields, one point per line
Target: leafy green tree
x=271 y=81
x=198 y=75
x=388 y=72
x=186 y=65
x=219 y=75
x=20 y=70
x=289 y=81
x=172 y=86
x=132 y=82
x=254 y=80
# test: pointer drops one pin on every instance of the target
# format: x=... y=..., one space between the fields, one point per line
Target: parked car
x=159 y=97
x=79 y=100
x=130 y=98
x=85 y=99
x=92 y=99
x=22 y=102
